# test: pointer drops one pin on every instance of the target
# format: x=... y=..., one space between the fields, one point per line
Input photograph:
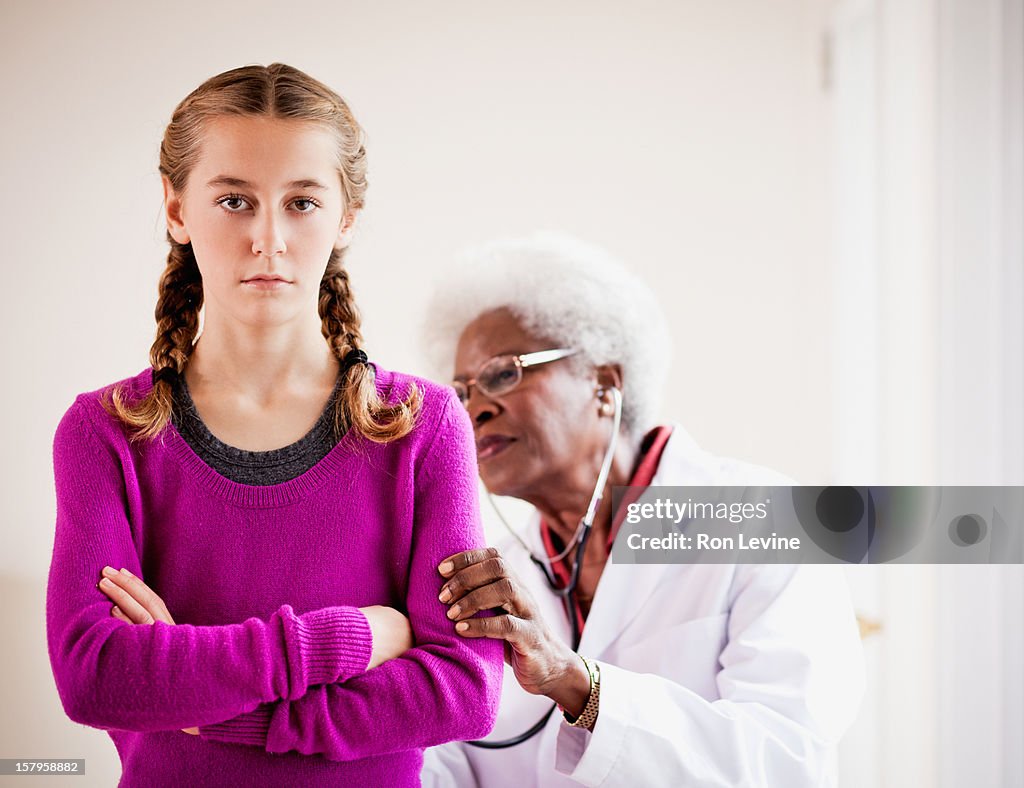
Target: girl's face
x=263 y=208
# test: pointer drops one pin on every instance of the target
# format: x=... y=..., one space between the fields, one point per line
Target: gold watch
x=588 y=716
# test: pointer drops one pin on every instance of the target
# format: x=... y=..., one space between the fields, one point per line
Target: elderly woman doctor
x=619 y=675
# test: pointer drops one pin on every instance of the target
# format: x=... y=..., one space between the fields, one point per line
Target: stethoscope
x=567 y=594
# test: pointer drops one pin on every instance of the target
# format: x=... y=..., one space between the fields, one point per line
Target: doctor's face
x=535 y=437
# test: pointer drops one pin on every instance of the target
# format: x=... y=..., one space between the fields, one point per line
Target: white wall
x=928 y=142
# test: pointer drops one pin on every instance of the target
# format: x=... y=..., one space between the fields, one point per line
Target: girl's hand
x=544 y=665
x=392 y=634
x=135 y=603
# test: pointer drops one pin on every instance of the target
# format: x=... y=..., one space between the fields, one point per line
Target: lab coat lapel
x=621 y=592
x=625 y=588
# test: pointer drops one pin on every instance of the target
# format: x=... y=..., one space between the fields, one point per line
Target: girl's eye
x=305 y=204
x=233 y=203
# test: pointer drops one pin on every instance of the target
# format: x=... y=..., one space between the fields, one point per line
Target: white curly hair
x=570 y=291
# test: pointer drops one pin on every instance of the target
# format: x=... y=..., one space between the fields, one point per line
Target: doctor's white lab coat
x=711 y=675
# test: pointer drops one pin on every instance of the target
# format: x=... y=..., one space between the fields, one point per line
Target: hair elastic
x=353 y=357
x=169 y=374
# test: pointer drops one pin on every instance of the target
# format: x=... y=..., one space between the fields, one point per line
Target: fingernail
x=109 y=571
x=106 y=583
x=445 y=594
x=462 y=626
x=126 y=572
x=453 y=611
x=446 y=567
x=115 y=609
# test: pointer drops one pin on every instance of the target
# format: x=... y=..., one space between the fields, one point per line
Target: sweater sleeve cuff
x=250 y=728
x=335 y=643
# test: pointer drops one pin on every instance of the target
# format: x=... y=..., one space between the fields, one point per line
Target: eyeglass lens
x=498 y=376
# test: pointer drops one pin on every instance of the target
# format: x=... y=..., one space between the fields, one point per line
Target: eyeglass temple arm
x=544 y=356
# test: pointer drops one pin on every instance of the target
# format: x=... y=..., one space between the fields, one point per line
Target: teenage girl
x=244 y=579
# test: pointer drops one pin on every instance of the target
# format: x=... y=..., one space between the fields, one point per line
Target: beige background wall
x=696 y=140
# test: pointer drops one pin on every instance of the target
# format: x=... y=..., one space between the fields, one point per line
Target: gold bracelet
x=588 y=716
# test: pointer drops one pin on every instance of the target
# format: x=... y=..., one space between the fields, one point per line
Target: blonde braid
x=359 y=405
x=177 y=319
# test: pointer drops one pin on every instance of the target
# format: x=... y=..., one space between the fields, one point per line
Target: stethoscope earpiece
x=613 y=408
x=609 y=408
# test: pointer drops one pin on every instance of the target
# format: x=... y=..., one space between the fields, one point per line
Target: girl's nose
x=268 y=239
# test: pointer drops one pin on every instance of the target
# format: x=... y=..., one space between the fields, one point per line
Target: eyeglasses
x=501 y=374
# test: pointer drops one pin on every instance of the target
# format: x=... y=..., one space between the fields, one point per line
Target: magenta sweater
x=269 y=652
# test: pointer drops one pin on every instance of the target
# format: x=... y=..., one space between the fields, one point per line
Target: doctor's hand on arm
x=543 y=664
x=136 y=603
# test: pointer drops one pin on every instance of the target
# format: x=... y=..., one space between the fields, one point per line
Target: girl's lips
x=491 y=445
x=266 y=284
